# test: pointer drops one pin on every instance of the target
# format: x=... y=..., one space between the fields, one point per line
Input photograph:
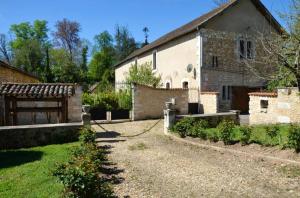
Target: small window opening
x=185 y=85
x=264 y=104
x=215 y=61
x=168 y=85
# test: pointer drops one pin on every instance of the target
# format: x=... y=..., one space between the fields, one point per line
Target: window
x=246 y=49
x=249 y=50
x=185 y=85
x=154 y=60
x=215 y=61
x=264 y=104
x=168 y=85
x=226 y=92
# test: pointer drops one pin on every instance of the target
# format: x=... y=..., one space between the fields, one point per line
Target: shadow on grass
x=10 y=159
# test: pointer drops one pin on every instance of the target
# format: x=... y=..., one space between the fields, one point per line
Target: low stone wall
x=13 y=137
x=271 y=108
x=148 y=103
x=209 y=102
x=215 y=118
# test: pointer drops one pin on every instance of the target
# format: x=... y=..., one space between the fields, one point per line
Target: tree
x=67 y=36
x=100 y=67
x=125 y=43
x=83 y=66
x=5 y=51
x=143 y=75
x=146 y=33
x=62 y=67
x=29 y=45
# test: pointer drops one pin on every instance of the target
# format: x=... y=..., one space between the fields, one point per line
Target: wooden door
x=240 y=99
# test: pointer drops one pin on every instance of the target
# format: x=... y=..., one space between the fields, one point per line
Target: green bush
x=199 y=129
x=294 y=138
x=184 y=126
x=272 y=131
x=245 y=132
x=109 y=100
x=213 y=136
x=81 y=176
x=225 y=129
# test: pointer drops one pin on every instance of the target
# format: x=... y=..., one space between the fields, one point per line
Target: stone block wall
x=271 y=108
x=209 y=102
x=149 y=103
x=14 y=137
x=11 y=75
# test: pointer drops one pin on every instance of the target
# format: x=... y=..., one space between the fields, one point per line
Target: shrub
x=225 y=129
x=87 y=136
x=294 y=138
x=184 y=126
x=213 y=136
x=272 y=131
x=245 y=134
x=198 y=130
x=81 y=176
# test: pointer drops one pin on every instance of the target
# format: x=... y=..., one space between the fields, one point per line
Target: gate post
x=169 y=117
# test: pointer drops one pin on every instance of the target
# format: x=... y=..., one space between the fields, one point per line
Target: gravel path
x=155 y=165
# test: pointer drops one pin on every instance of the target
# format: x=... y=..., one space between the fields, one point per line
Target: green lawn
x=27 y=172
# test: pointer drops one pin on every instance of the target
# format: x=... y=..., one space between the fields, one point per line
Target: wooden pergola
x=17 y=92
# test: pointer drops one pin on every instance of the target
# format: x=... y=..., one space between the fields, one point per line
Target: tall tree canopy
x=67 y=36
x=29 y=45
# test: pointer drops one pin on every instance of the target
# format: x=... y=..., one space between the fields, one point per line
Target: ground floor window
x=226 y=92
x=185 y=85
x=168 y=85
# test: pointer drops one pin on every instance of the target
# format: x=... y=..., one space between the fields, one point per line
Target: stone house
x=207 y=53
x=9 y=73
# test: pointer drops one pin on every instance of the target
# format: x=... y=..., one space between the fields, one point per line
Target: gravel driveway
x=155 y=165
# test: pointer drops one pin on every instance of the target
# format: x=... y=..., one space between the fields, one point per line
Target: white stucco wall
x=172 y=60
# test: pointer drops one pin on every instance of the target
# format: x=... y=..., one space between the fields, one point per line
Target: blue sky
x=161 y=16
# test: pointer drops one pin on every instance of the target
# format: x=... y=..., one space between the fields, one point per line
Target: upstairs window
x=215 y=61
x=246 y=49
x=154 y=60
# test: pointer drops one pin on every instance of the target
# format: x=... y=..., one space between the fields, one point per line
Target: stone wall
x=148 y=103
x=13 y=137
x=271 y=108
x=209 y=102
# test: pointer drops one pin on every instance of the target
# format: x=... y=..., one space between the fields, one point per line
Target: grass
x=27 y=172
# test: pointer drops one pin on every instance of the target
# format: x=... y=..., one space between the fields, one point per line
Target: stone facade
x=209 y=102
x=230 y=71
x=148 y=103
x=281 y=107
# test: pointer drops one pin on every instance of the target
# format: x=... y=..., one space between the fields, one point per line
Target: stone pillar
x=86 y=116
x=237 y=114
x=108 y=116
x=169 y=117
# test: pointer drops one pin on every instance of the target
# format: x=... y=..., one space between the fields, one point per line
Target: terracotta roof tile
x=40 y=90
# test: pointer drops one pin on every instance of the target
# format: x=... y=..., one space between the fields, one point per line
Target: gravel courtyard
x=155 y=165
